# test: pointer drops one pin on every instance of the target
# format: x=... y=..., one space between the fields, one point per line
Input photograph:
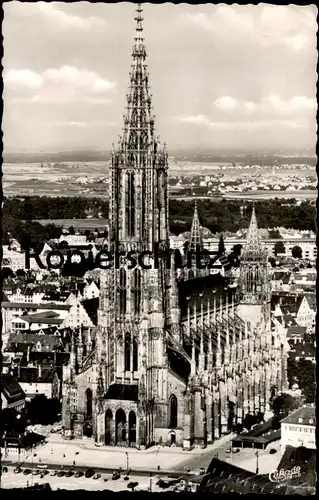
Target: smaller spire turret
x=253 y=248
x=196 y=231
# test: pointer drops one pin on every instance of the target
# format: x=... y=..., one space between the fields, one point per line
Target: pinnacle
x=196 y=230
x=253 y=244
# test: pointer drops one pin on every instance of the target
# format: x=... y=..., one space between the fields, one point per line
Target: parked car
x=35 y=472
x=228 y=450
x=61 y=473
x=236 y=450
x=272 y=451
x=53 y=473
x=97 y=476
x=69 y=473
x=89 y=473
x=4 y=469
x=17 y=470
x=79 y=474
x=116 y=475
x=27 y=471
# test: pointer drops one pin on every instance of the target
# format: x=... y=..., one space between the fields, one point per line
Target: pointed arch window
x=127 y=353
x=143 y=214
x=135 y=355
x=137 y=291
x=161 y=189
x=130 y=204
x=89 y=399
x=122 y=291
x=173 y=412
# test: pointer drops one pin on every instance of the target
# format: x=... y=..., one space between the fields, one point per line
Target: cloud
x=68 y=75
x=59 y=85
x=271 y=105
x=22 y=78
x=265 y=25
x=226 y=103
x=66 y=21
x=203 y=120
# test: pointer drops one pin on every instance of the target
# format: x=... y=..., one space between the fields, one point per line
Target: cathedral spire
x=253 y=247
x=196 y=231
x=138 y=133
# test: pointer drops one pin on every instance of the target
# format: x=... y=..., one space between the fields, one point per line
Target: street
x=11 y=480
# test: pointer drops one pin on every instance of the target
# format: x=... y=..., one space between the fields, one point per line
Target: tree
x=282 y=404
x=249 y=421
x=274 y=234
x=6 y=272
x=292 y=371
x=307 y=379
x=272 y=261
x=296 y=252
x=237 y=249
x=20 y=273
x=221 y=245
x=279 y=247
x=41 y=410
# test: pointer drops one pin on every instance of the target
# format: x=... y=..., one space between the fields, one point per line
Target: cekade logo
x=281 y=475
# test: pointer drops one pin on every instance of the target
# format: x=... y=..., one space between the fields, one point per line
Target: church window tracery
x=135 y=355
x=130 y=204
x=122 y=291
x=173 y=412
x=127 y=353
x=137 y=291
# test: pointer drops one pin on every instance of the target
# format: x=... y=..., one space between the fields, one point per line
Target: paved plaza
x=84 y=453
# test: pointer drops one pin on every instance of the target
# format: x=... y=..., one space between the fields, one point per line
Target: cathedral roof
x=209 y=286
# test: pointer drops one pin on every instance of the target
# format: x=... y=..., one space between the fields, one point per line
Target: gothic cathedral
x=175 y=358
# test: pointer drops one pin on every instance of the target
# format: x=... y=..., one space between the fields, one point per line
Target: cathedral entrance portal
x=120 y=428
x=108 y=423
x=132 y=428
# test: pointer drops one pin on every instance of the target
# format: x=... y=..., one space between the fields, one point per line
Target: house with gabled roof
x=39 y=380
x=306 y=314
x=299 y=429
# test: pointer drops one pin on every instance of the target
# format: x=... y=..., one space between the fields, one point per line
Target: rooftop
x=11 y=388
x=305 y=416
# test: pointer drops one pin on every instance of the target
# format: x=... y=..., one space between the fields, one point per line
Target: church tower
x=196 y=238
x=254 y=280
x=133 y=311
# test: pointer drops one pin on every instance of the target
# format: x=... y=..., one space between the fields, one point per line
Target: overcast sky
x=221 y=76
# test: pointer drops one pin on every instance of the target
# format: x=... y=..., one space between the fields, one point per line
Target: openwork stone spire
x=196 y=231
x=253 y=248
x=138 y=132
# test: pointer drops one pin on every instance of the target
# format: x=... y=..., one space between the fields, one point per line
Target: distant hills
x=57 y=157
x=197 y=155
